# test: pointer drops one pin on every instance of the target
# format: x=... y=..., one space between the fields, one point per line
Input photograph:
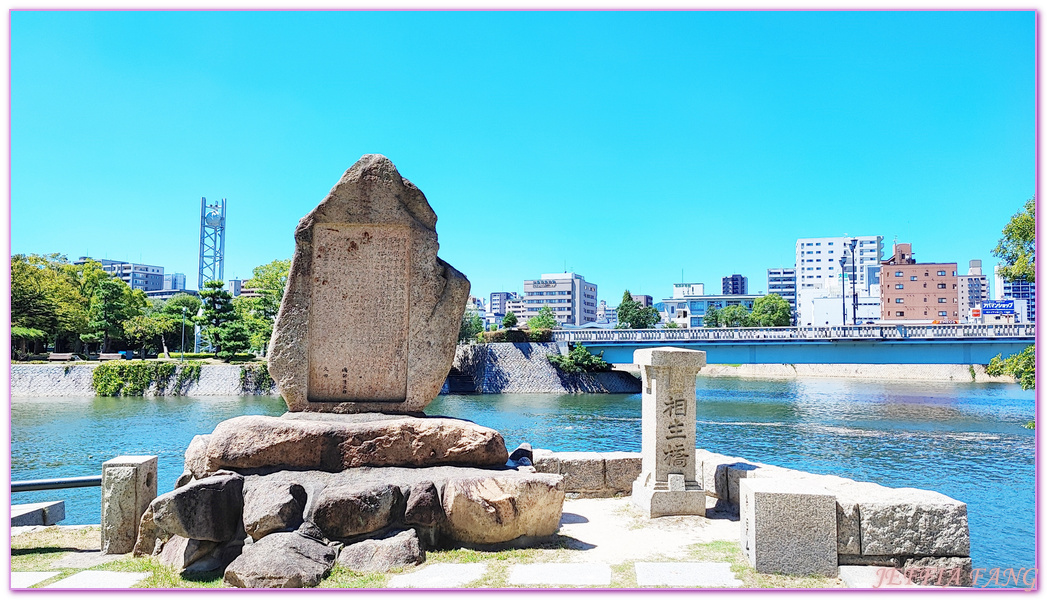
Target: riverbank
x=187 y=379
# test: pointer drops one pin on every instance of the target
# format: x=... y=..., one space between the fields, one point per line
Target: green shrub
x=579 y=360
x=255 y=378
x=130 y=377
x=190 y=371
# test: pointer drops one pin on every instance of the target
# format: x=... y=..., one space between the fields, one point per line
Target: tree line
x=80 y=308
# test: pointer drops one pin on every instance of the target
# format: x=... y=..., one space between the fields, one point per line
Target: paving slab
x=873 y=577
x=24 y=579
x=99 y=580
x=439 y=576
x=84 y=559
x=561 y=574
x=686 y=574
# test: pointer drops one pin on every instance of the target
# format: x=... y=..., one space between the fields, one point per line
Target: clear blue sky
x=627 y=147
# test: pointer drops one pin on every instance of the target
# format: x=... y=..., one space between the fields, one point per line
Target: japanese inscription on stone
x=360 y=288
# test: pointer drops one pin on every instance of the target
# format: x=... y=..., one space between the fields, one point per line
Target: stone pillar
x=128 y=486
x=788 y=527
x=667 y=484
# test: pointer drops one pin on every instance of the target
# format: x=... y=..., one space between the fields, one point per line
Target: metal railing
x=859 y=332
x=34 y=485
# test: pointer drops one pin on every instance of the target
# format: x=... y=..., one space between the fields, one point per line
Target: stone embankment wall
x=522 y=368
x=75 y=380
x=958 y=373
x=875 y=525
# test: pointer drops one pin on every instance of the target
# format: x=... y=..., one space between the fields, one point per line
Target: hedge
x=518 y=336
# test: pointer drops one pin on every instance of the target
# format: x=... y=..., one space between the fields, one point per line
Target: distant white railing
x=858 y=332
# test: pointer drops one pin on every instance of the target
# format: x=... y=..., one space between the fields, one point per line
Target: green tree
x=233 y=338
x=545 y=319
x=112 y=303
x=735 y=316
x=147 y=328
x=1022 y=366
x=633 y=315
x=671 y=325
x=33 y=309
x=1017 y=247
x=509 y=320
x=771 y=311
x=258 y=312
x=218 y=310
x=471 y=325
x=579 y=359
x=712 y=317
x=173 y=308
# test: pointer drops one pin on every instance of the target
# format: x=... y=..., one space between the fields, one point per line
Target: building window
x=941 y=286
x=941 y=300
x=899 y=301
x=941 y=273
x=899 y=286
x=898 y=274
x=943 y=313
x=899 y=313
x=912 y=278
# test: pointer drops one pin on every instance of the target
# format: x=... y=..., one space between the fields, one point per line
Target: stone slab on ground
x=99 y=580
x=873 y=577
x=686 y=574
x=24 y=579
x=559 y=574
x=84 y=559
x=788 y=527
x=439 y=576
x=38 y=513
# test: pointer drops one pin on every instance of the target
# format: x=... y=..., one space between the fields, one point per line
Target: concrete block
x=582 y=471
x=679 y=574
x=788 y=527
x=561 y=574
x=38 y=513
x=128 y=486
x=907 y=521
x=545 y=461
x=734 y=473
x=447 y=575
x=620 y=470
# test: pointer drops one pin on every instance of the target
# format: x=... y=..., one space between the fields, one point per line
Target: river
x=964 y=440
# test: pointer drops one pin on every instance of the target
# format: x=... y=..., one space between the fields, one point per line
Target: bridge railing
x=861 y=332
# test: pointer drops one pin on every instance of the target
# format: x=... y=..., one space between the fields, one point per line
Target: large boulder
x=423 y=505
x=398 y=549
x=490 y=510
x=179 y=552
x=207 y=509
x=347 y=511
x=370 y=317
x=272 y=506
x=258 y=442
x=282 y=560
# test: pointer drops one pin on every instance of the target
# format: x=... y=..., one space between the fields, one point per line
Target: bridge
x=862 y=344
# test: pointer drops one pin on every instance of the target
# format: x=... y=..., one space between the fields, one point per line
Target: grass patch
x=344 y=578
x=623 y=575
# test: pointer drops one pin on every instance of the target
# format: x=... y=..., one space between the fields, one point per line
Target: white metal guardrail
x=857 y=332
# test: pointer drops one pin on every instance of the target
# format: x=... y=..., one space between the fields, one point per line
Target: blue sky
x=628 y=147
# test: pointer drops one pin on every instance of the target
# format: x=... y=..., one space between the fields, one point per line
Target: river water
x=963 y=440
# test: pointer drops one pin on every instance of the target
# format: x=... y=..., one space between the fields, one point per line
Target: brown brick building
x=912 y=291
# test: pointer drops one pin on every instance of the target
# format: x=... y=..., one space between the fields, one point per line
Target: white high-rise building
x=571 y=298
x=973 y=289
x=782 y=281
x=821 y=280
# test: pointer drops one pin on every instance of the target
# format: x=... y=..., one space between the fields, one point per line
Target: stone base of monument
x=276 y=502
x=664 y=498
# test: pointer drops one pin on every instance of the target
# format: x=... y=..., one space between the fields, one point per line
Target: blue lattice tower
x=212 y=241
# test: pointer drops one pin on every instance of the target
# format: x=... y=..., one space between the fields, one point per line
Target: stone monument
x=370 y=316
x=667 y=484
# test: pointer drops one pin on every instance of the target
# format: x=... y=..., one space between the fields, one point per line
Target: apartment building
x=973 y=290
x=782 y=281
x=689 y=304
x=139 y=276
x=912 y=291
x=571 y=298
x=174 y=281
x=831 y=272
x=735 y=285
x=1019 y=289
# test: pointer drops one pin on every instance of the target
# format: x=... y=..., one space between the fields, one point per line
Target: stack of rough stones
x=355 y=473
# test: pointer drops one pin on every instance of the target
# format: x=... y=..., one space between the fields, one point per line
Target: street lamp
x=854 y=283
x=181 y=357
x=843 y=294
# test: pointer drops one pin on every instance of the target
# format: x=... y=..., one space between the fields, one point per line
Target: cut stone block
x=24 y=579
x=38 y=513
x=561 y=574
x=128 y=486
x=788 y=527
x=582 y=471
x=914 y=522
x=491 y=510
x=691 y=574
x=440 y=576
x=621 y=469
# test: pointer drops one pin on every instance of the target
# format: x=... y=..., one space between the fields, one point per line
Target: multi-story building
x=497 y=302
x=735 y=285
x=973 y=290
x=689 y=304
x=608 y=314
x=829 y=268
x=912 y=291
x=174 y=281
x=234 y=286
x=782 y=281
x=1019 y=289
x=168 y=294
x=517 y=307
x=643 y=299
x=140 y=277
x=571 y=298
